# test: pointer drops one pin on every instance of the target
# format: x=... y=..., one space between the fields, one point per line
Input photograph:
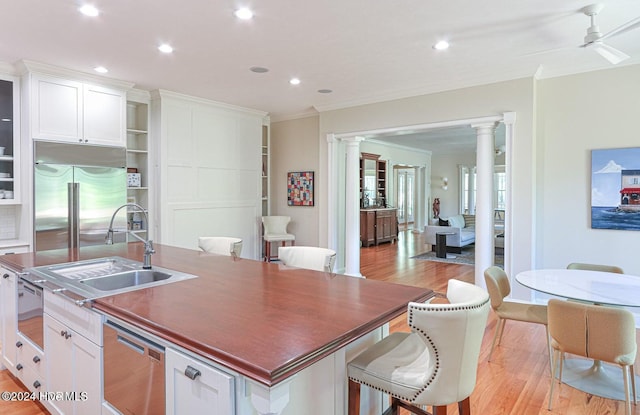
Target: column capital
x=491 y=126
x=354 y=140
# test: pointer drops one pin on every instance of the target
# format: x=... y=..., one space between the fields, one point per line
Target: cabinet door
x=8 y=292
x=58 y=366
x=209 y=392
x=87 y=375
x=8 y=310
x=104 y=116
x=72 y=364
x=56 y=109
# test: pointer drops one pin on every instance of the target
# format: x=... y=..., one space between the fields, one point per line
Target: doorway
x=405 y=196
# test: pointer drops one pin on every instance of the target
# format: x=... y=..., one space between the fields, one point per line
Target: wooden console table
x=378 y=225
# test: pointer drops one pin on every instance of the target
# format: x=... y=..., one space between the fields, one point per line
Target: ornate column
x=352 y=207
x=484 y=199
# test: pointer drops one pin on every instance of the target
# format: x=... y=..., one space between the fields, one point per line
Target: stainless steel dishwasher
x=134 y=379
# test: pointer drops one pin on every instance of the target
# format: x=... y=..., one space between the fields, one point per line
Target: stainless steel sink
x=106 y=276
x=126 y=279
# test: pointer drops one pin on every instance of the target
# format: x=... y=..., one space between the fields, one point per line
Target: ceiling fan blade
x=610 y=53
x=631 y=25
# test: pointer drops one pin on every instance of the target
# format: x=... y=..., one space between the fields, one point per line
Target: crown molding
x=164 y=94
x=26 y=66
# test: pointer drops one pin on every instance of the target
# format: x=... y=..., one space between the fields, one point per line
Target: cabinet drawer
x=32 y=379
x=206 y=390
x=80 y=319
x=29 y=356
x=384 y=213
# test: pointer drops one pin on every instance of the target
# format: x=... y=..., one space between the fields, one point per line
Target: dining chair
x=597 y=332
x=221 y=245
x=275 y=230
x=436 y=363
x=499 y=288
x=595 y=267
x=309 y=257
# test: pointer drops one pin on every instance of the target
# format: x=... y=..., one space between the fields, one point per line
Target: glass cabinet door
x=8 y=139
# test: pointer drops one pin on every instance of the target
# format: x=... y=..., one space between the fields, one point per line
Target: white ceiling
x=363 y=50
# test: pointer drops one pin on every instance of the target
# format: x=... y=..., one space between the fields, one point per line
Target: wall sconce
x=445 y=183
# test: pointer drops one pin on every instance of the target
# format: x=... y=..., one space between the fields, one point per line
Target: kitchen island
x=285 y=333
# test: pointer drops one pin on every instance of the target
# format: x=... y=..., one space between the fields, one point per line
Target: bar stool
x=309 y=257
x=221 y=245
x=275 y=230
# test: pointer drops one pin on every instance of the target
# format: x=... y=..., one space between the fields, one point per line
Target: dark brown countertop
x=263 y=320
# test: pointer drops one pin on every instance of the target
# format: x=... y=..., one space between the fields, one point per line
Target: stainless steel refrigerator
x=77 y=188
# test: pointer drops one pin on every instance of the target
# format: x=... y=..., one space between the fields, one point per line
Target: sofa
x=461 y=228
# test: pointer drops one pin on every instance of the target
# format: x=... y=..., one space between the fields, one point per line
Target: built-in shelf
x=138 y=158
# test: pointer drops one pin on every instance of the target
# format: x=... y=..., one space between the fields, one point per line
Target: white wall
x=210 y=171
x=295 y=147
x=447 y=166
x=578 y=114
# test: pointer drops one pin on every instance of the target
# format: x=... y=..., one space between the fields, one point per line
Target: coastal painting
x=615 y=189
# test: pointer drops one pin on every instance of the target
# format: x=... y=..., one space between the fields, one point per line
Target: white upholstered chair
x=436 y=363
x=499 y=287
x=597 y=332
x=275 y=230
x=221 y=245
x=309 y=257
x=595 y=267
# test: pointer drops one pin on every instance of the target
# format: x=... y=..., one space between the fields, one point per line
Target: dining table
x=596 y=287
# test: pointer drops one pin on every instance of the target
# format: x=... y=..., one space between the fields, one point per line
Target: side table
x=441 y=245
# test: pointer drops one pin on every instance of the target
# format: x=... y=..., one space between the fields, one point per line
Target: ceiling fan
x=595 y=39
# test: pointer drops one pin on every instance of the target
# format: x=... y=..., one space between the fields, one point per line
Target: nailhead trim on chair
x=431 y=343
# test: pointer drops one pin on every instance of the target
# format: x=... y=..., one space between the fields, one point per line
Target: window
x=468 y=189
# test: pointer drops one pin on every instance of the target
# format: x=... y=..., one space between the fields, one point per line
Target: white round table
x=602 y=288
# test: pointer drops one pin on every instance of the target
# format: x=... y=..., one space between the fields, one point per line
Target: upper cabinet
x=9 y=140
x=77 y=112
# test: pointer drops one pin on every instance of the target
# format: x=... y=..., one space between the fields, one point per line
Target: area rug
x=466 y=257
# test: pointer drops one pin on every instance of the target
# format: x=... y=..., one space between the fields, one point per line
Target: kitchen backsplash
x=7 y=222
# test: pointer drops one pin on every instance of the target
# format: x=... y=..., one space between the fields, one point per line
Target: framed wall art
x=300 y=188
x=615 y=189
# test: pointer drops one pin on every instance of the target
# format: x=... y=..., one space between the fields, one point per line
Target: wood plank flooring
x=516 y=382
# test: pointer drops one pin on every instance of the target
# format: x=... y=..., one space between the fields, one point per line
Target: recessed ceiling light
x=442 y=45
x=165 y=48
x=294 y=81
x=244 y=13
x=101 y=69
x=89 y=10
x=325 y=91
x=258 y=69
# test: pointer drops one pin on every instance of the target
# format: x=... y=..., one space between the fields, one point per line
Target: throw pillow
x=457 y=221
x=469 y=221
x=443 y=222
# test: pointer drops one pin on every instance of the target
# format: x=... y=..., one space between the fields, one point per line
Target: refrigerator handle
x=74 y=214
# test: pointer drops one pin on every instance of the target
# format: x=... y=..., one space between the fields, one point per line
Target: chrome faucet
x=148 y=244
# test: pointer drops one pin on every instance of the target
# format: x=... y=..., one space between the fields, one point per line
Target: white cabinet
x=74 y=362
x=71 y=111
x=9 y=140
x=197 y=388
x=29 y=364
x=9 y=315
x=104 y=115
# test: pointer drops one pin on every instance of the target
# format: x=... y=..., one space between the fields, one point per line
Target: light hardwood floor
x=516 y=382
